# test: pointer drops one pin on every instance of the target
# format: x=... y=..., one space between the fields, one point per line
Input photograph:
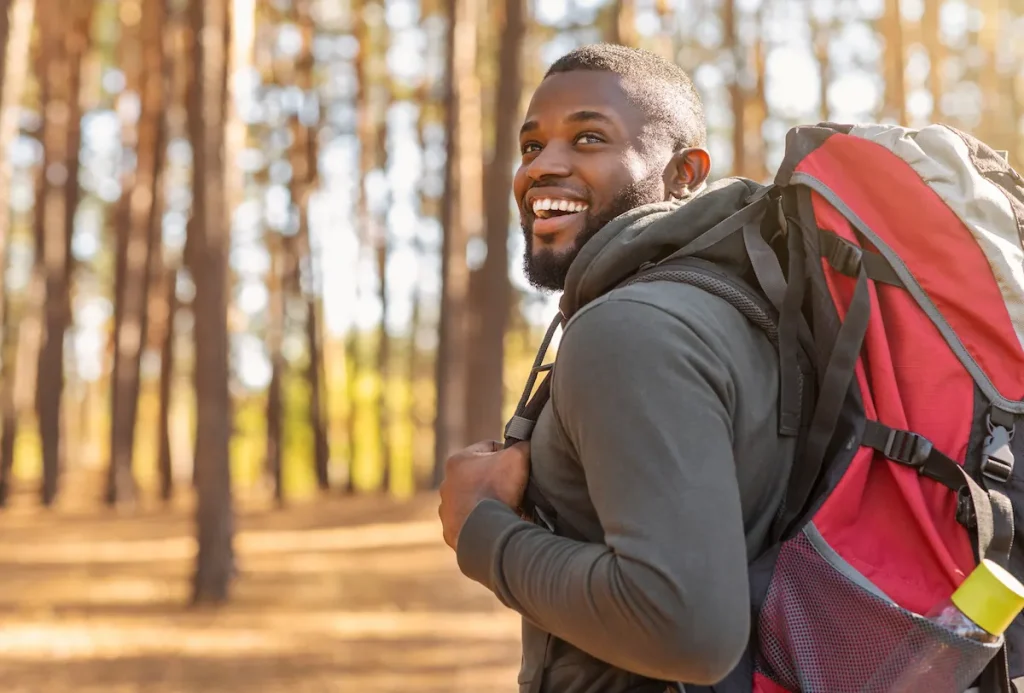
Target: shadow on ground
x=341 y=595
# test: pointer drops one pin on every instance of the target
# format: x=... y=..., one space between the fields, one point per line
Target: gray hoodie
x=660 y=445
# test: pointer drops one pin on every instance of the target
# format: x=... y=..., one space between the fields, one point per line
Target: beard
x=547 y=270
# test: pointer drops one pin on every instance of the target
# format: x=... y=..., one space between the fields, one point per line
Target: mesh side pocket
x=824 y=630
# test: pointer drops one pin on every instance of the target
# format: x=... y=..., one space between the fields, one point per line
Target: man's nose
x=552 y=161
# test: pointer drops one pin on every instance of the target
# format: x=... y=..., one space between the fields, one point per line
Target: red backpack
x=916 y=299
x=887 y=266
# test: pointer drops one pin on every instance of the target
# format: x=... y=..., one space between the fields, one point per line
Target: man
x=660 y=440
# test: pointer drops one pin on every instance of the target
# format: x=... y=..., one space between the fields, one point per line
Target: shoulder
x=670 y=315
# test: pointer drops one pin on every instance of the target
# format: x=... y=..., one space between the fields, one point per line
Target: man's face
x=585 y=160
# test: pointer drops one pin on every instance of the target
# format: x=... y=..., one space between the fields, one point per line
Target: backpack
x=886 y=265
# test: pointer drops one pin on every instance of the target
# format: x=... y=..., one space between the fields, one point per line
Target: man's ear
x=686 y=172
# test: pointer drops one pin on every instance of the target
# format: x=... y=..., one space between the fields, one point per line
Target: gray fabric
x=943 y=160
x=923 y=300
x=660 y=445
x=520 y=428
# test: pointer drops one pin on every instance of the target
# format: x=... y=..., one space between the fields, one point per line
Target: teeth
x=558 y=205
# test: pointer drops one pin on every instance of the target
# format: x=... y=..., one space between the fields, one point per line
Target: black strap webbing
x=768 y=271
x=992 y=512
x=753 y=212
x=846 y=258
x=916 y=451
x=834 y=389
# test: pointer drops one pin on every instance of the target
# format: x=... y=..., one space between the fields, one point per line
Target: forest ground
x=344 y=594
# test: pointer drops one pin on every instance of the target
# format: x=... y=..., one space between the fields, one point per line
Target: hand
x=483 y=470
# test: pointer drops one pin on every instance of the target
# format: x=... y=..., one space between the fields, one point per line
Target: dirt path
x=345 y=595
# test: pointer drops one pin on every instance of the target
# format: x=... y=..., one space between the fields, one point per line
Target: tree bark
x=383 y=357
x=895 y=104
x=167 y=339
x=821 y=35
x=14 y=54
x=365 y=132
x=460 y=214
x=930 y=36
x=995 y=128
x=381 y=242
x=737 y=92
x=275 y=335
x=304 y=178
x=624 y=23
x=137 y=251
x=317 y=405
x=208 y=241
x=492 y=297
x=61 y=141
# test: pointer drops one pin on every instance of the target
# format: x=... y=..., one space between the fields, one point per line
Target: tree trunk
x=821 y=35
x=413 y=369
x=5 y=30
x=383 y=359
x=415 y=366
x=167 y=336
x=208 y=240
x=460 y=214
x=14 y=54
x=275 y=335
x=930 y=36
x=381 y=241
x=317 y=405
x=365 y=132
x=140 y=245
x=737 y=92
x=624 y=23
x=304 y=178
x=895 y=104
x=492 y=297
x=65 y=46
x=995 y=129
x=352 y=374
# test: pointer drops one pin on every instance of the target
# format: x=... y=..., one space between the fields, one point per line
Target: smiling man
x=659 y=445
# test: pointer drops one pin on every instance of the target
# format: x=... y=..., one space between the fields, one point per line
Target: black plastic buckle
x=845 y=257
x=908 y=449
x=997 y=458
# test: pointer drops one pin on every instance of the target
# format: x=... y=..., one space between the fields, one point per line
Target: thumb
x=483 y=447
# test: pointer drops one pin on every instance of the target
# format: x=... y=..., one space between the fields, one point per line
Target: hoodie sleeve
x=646 y=399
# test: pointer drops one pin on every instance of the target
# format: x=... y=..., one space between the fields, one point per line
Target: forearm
x=629 y=613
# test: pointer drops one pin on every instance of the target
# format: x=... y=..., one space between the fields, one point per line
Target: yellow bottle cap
x=990 y=597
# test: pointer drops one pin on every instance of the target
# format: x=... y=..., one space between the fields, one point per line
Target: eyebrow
x=575 y=117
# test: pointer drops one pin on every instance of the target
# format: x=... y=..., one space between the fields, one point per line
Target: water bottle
x=970 y=626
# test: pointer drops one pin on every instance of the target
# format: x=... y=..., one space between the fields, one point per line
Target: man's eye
x=529 y=148
x=589 y=138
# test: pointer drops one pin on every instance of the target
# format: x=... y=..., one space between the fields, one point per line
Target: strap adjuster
x=845 y=257
x=997 y=469
x=908 y=449
x=997 y=457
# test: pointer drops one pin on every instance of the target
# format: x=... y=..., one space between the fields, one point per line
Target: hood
x=651 y=233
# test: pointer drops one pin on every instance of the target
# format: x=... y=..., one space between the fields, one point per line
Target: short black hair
x=661 y=88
